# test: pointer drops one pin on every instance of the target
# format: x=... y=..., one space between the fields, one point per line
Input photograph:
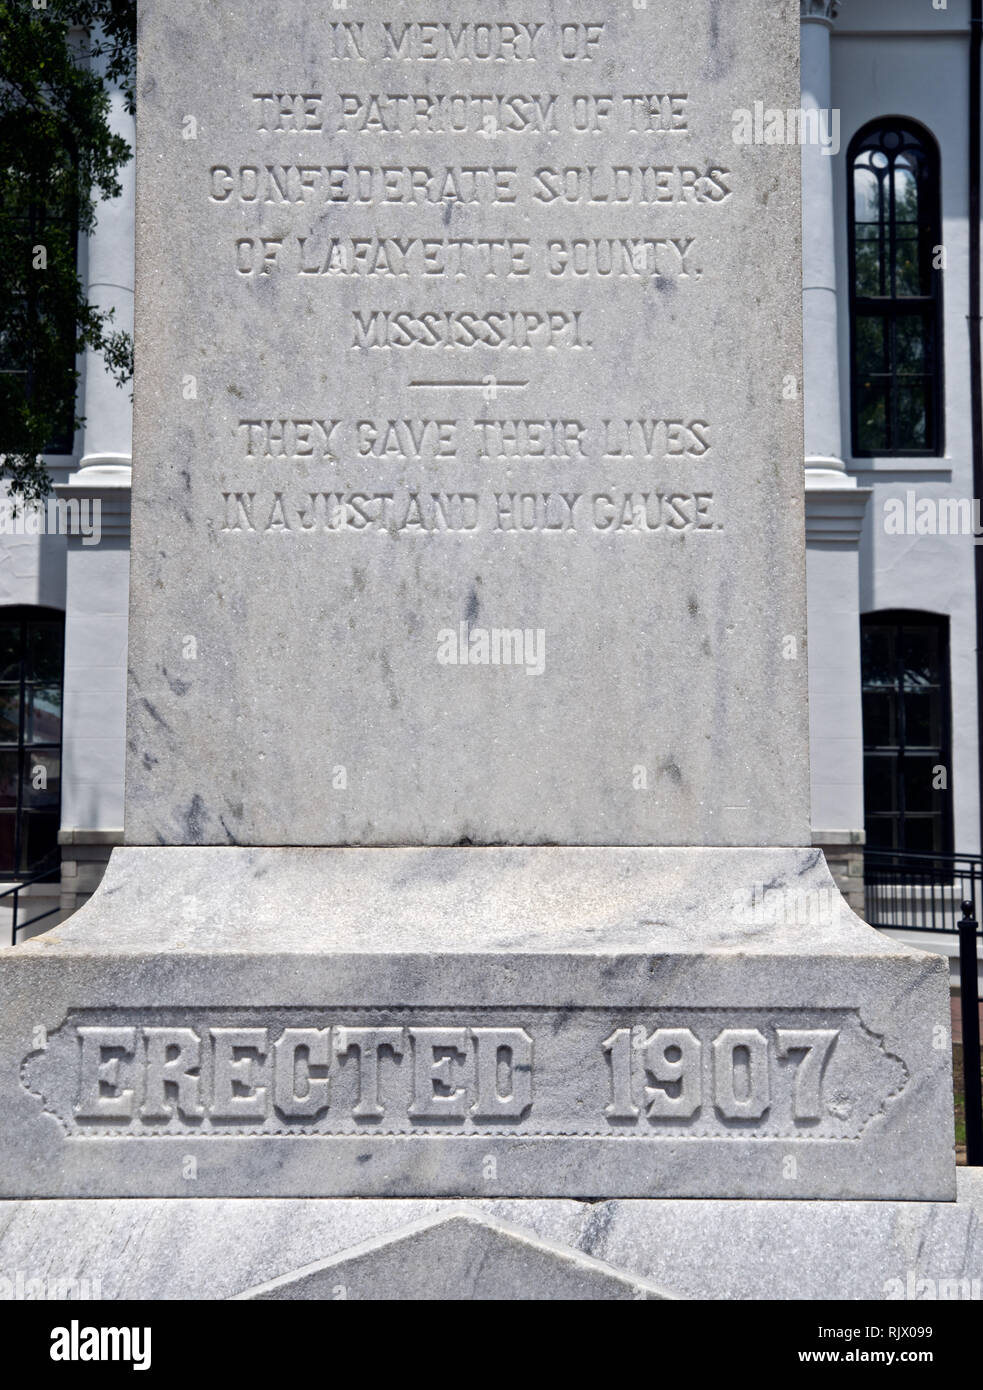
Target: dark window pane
x=8 y=823
x=39 y=840
x=907 y=268
x=910 y=343
x=919 y=794
x=42 y=714
x=10 y=651
x=881 y=832
x=923 y=719
x=9 y=713
x=878 y=656
x=866 y=195
x=922 y=835
x=905 y=191
x=880 y=784
x=872 y=425
x=9 y=764
x=921 y=656
x=871 y=345
x=880 y=725
x=870 y=262
x=912 y=422
x=31 y=657
x=906 y=734
x=42 y=780
x=45 y=648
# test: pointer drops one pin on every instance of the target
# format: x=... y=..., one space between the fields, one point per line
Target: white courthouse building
x=890 y=452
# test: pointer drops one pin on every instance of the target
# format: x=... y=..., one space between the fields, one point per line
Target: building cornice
x=113 y=500
x=834 y=509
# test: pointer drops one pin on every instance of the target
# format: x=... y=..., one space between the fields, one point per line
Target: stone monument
x=467 y=881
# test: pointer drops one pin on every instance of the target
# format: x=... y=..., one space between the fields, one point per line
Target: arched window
x=907 y=741
x=895 y=290
x=32 y=642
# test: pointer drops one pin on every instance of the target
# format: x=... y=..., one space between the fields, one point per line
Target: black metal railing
x=920 y=892
x=938 y=893
x=45 y=872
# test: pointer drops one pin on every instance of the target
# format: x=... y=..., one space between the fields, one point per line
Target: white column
x=109 y=277
x=97 y=575
x=834 y=522
x=824 y=448
x=834 y=504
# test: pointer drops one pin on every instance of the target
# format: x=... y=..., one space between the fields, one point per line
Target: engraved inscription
x=679 y=1073
x=662 y=512
x=417 y=166
x=670 y=1072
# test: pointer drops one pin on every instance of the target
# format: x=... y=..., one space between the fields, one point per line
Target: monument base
x=528 y=1249
x=483 y=1023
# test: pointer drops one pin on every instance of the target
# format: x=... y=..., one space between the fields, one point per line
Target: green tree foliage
x=58 y=157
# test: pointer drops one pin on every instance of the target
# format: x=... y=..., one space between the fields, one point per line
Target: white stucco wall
x=94 y=734
x=904 y=58
x=32 y=568
x=835 y=727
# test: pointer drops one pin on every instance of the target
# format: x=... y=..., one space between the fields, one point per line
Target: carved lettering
x=503 y=1073
x=684 y=1073
x=303 y=1056
x=367 y=1044
x=238 y=1057
x=437 y=1057
x=740 y=1074
x=173 y=1074
x=100 y=1094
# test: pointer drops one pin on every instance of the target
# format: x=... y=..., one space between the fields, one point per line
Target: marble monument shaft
x=467 y=505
